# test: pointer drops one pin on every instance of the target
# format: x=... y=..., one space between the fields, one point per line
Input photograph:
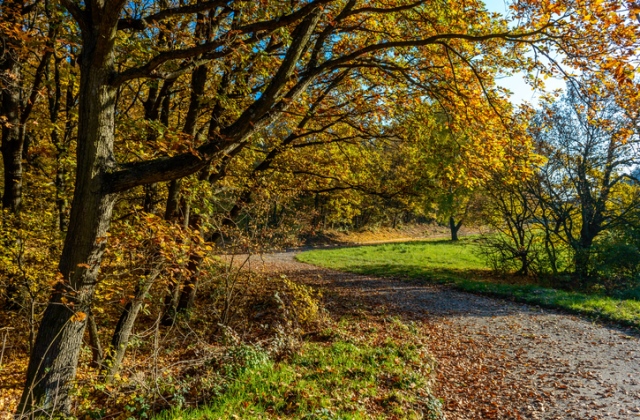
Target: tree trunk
x=188 y=293
x=591 y=225
x=124 y=328
x=156 y=99
x=582 y=260
x=60 y=139
x=10 y=107
x=173 y=200
x=454 y=227
x=54 y=359
x=12 y=144
x=524 y=263
x=180 y=301
x=94 y=342
x=150 y=198
x=170 y=304
x=189 y=288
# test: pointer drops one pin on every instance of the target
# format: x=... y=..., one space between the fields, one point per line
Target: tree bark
x=54 y=358
x=12 y=138
x=94 y=342
x=156 y=99
x=582 y=258
x=189 y=288
x=10 y=105
x=12 y=133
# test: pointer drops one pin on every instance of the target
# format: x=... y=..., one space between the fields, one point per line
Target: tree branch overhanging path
x=277 y=54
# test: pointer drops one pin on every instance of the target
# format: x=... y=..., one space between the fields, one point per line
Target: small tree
x=511 y=212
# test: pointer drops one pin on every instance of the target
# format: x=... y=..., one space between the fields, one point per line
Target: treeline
x=139 y=138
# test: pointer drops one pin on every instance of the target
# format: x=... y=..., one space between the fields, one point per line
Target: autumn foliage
x=142 y=140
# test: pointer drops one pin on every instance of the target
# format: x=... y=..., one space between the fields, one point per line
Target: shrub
x=616 y=265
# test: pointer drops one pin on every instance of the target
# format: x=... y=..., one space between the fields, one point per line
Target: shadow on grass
x=430 y=274
x=410 y=291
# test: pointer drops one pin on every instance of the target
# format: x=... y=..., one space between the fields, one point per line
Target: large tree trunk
x=54 y=358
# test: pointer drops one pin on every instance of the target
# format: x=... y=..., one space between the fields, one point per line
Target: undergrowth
x=336 y=376
x=256 y=345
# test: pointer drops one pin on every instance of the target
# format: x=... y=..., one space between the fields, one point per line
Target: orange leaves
x=78 y=317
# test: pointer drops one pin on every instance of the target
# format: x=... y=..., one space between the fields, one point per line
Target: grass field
x=437 y=260
x=460 y=265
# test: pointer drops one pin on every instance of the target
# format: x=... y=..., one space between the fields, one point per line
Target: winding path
x=496 y=359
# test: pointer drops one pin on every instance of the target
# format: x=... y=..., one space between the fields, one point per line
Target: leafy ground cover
x=354 y=370
x=460 y=265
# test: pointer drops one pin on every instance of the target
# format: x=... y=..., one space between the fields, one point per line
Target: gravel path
x=496 y=359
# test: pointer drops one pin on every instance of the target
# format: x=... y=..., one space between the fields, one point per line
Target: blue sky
x=521 y=91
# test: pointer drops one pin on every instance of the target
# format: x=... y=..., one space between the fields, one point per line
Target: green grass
x=430 y=260
x=338 y=380
x=460 y=265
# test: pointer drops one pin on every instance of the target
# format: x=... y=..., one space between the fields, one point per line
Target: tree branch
x=232 y=138
x=142 y=23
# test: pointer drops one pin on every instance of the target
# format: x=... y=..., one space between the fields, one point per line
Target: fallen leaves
x=495 y=360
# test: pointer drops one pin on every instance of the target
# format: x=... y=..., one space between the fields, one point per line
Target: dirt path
x=496 y=359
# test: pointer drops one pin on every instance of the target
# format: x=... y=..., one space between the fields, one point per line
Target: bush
x=504 y=256
x=616 y=265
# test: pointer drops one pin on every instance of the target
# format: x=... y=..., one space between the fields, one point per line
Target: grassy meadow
x=430 y=260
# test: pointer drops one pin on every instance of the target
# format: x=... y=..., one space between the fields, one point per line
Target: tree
x=20 y=80
x=278 y=51
x=460 y=155
x=591 y=145
x=512 y=212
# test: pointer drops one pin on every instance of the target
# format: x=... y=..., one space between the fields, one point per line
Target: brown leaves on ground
x=496 y=360
x=473 y=377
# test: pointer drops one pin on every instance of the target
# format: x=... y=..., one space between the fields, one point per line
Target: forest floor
x=496 y=359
